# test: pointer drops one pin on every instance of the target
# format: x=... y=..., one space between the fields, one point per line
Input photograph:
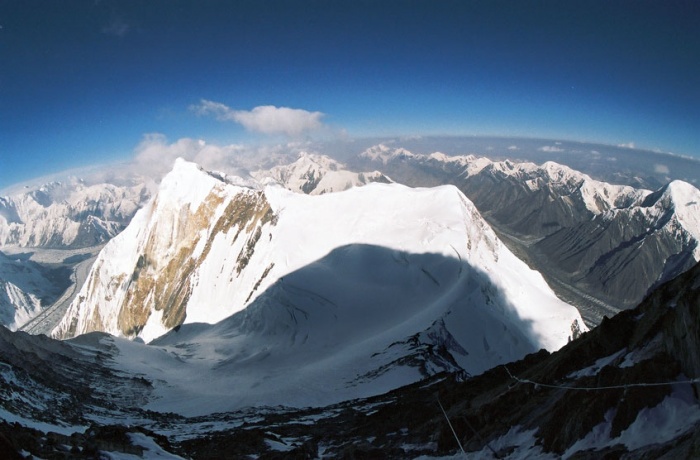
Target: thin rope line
x=610 y=387
x=451 y=428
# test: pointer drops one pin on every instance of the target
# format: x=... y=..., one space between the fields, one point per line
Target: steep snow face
x=410 y=276
x=68 y=214
x=317 y=174
x=361 y=321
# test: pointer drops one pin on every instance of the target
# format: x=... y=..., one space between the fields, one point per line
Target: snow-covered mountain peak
x=316 y=174
x=384 y=153
x=187 y=185
x=681 y=192
x=682 y=200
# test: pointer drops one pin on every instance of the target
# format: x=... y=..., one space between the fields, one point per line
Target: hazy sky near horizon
x=82 y=82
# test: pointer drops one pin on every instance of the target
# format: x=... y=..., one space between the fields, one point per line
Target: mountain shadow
x=363 y=320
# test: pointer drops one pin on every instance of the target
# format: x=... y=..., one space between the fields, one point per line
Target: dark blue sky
x=81 y=82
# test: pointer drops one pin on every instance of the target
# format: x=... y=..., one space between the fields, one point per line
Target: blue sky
x=81 y=82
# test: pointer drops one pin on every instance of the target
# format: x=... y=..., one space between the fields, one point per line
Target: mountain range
x=387 y=306
x=590 y=239
x=375 y=279
x=70 y=214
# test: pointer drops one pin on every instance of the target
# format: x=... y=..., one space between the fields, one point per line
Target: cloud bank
x=265 y=119
x=155 y=155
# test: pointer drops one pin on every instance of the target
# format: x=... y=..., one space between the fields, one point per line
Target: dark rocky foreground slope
x=627 y=389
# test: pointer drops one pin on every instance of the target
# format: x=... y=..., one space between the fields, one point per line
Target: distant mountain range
x=68 y=214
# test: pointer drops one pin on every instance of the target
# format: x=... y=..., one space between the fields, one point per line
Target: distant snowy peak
x=69 y=214
x=317 y=174
x=384 y=153
x=678 y=202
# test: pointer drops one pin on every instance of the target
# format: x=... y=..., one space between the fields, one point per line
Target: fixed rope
x=454 y=433
x=607 y=387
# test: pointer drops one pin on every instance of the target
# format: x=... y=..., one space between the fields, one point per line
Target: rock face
x=68 y=214
x=612 y=242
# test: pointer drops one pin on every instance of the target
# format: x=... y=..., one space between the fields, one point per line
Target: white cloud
x=266 y=119
x=629 y=145
x=513 y=147
x=661 y=169
x=155 y=156
x=550 y=149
